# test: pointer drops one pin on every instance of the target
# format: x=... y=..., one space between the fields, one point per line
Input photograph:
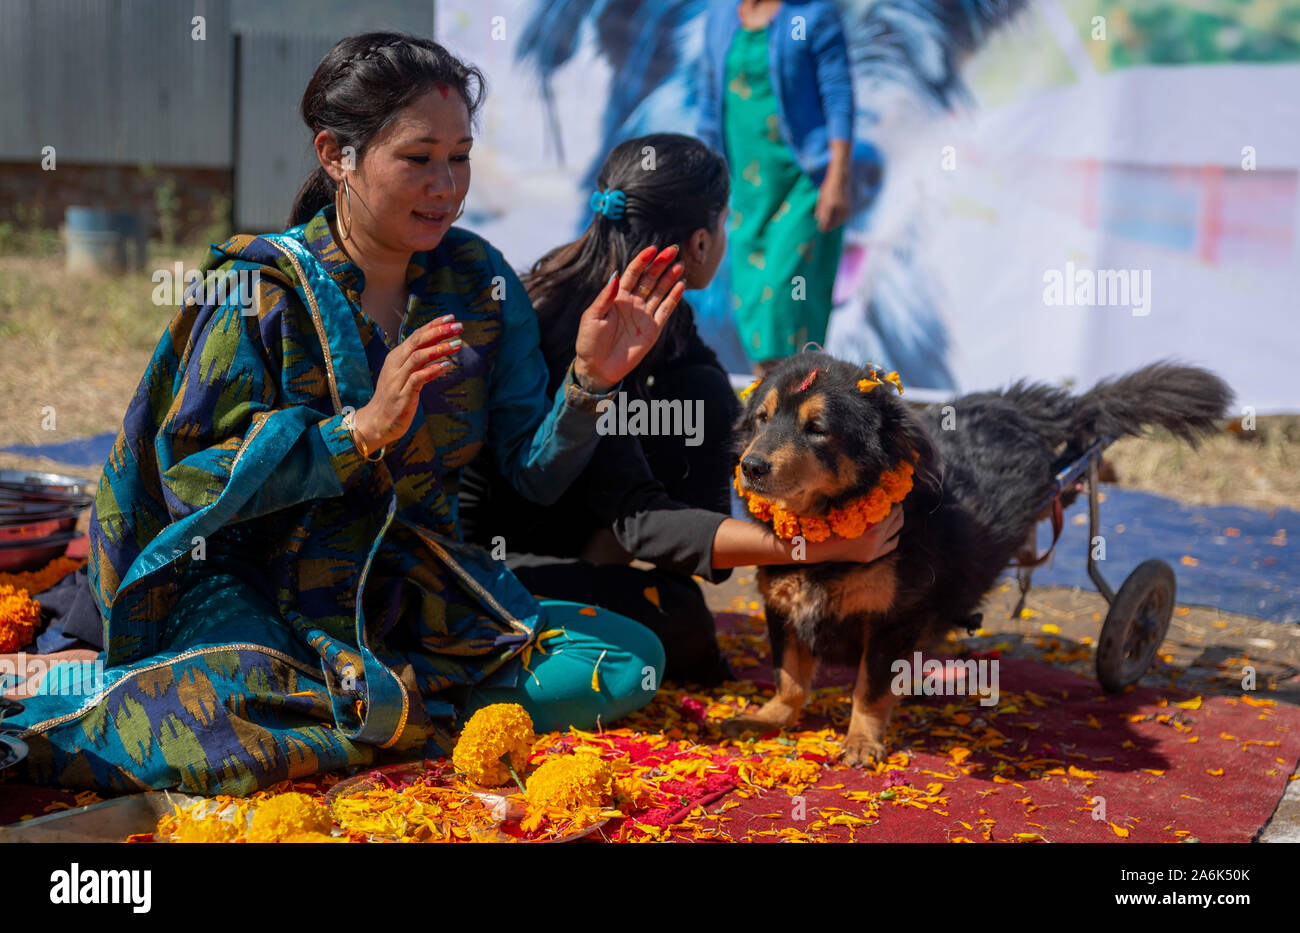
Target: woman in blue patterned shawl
x=275 y=545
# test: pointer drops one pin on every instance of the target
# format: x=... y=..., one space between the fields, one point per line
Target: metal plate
x=29 y=482
x=107 y=821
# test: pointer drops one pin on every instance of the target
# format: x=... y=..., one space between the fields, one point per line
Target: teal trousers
x=599 y=668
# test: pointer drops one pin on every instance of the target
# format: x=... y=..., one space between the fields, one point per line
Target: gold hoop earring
x=347 y=197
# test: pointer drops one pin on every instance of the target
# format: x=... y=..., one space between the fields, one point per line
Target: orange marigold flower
x=19 y=616
x=785 y=524
x=849 y=521
x=877 y=506
x=815 y=529
x=38 y=581
x=897 y=484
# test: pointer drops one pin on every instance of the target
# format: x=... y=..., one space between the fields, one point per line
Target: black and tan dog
x=981 y=470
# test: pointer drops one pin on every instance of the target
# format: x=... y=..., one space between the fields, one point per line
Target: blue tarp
x=85 y=451
x=1245 y=560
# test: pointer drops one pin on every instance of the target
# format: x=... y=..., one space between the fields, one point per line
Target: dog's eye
x=815 y=428
x=760 y=416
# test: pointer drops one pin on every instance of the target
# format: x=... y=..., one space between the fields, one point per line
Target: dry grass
x=1259 y=468
x=77 y=343
x=81 y=344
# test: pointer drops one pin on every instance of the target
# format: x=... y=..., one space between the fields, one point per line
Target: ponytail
x=317 y=191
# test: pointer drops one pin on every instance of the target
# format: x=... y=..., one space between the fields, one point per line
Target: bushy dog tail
x=1184 y=399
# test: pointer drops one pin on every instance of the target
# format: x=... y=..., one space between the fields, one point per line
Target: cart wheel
x=1136 y=625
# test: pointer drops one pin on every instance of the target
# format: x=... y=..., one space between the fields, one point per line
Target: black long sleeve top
x=661 y=498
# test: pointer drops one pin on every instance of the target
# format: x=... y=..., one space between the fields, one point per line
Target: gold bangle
x=349 y=422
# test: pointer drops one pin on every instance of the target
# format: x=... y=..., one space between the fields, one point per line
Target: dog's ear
x=910 y=441
x=743 y=432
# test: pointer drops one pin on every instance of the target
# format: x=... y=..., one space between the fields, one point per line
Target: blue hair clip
x=609 y=202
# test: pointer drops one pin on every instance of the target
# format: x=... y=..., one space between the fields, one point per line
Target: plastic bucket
x=101 y=240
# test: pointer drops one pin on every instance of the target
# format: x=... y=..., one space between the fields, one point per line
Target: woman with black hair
x=659 y=498
x=280 y=583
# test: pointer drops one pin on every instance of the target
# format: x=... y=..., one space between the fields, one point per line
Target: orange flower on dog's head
x=874 y=378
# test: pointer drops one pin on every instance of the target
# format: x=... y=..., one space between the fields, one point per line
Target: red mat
x=1037 y=766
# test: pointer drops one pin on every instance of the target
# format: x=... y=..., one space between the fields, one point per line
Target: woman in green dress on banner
x=776 y=98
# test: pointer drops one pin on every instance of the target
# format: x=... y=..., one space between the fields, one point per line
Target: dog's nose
x=755 y=467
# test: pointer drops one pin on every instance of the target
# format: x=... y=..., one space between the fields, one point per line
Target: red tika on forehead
x=808 y=380
x=442 y=89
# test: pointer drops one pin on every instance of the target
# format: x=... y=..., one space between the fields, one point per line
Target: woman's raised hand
x=415 y=361
x=624 y=321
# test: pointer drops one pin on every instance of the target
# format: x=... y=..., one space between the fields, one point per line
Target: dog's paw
x=862 y=751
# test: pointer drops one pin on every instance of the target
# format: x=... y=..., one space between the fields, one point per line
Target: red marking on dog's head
x=808 y=380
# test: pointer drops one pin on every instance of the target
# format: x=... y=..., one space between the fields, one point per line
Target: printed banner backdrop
x=1070 y=188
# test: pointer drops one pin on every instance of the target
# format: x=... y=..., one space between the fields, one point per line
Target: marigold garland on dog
x=850 y=520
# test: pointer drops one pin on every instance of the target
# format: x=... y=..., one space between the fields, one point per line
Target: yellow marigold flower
x=565 y=782
x=492 y=733
x=288 y=814
x=866 y=385
x=746 y=392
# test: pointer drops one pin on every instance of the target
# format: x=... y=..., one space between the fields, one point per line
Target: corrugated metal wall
x=122 y=82
x=117 y=81
x=275 y=153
